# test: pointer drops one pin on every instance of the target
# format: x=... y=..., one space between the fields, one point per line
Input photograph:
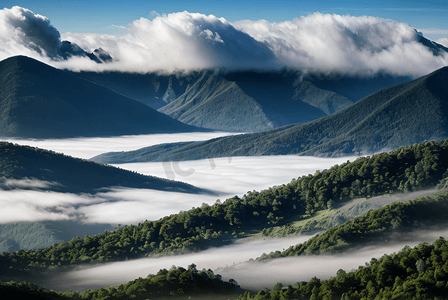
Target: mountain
x=24 y=167
x=69 y=49
x=401 y=115
x=246 y=101
x=39 y=101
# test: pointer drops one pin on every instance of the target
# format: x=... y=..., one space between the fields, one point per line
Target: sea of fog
x=227 y=176
x=234 y=262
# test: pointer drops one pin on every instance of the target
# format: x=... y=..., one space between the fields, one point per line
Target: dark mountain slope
x=33 y=168
x=401 y=115
x=214 y=102
x=233 y=101
x=153 y=89
x=39 y=101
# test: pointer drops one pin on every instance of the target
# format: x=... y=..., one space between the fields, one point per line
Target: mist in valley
x=237 y=262
x=227 y=176
x=290 y=270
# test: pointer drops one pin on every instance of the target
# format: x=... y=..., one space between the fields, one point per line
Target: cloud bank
x=233 y=262
x=131 y=206
x=186 y=41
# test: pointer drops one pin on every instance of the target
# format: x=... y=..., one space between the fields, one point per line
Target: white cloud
x=228 y=178
x=443 y=42
x=23 y=32
x=89 y=147
x=186 y=41
x=31 y=206
x=347 y=44
x=112 y=274
x=179 y=41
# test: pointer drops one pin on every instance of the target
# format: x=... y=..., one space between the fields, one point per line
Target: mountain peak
x=39 y=101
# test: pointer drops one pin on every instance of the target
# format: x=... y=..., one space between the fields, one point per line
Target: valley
x=193 y=156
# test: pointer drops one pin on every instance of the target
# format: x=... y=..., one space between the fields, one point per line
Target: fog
x=92 y=146
x=233 y=262
x=226 y=176
x=121 y=272
x=290 y=270
x=187 y=41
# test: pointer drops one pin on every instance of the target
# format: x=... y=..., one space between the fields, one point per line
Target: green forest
x=412 y=273
x=418 y=273
x=404 y=169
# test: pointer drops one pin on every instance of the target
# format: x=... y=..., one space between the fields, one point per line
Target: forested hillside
x=24 y=167
x=375 y=227
x=404 y=169
x=39 y=101
x=401 y=115
x=176 y=283
x=412 y=273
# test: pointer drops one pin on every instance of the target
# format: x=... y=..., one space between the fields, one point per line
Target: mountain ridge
x=39 y=101
x=397 y=116
x=62 y=173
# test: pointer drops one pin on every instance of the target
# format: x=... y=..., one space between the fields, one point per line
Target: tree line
x=404 y=169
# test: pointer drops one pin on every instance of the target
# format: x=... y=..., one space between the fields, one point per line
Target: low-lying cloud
x=116 y=273
x=190 y=41
x=228 y=177
x=232 y=262
x=89 y=147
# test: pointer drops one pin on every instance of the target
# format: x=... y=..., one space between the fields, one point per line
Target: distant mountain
x=246 y=101
x=24 y=167
x=39 y=101
x=69 y=49
x=401 y=115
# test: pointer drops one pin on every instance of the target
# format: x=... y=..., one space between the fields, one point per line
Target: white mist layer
x=89 y=147
x=290 y=270
x=116 y=273
x=232 y=263
x=227 y=176
x=191 y=41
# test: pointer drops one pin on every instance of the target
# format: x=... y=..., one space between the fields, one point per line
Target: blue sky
x=103 y=16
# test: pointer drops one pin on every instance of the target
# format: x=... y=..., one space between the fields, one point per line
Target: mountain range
x=243 y=101
x=323 y=117
x=39 y=101
x=400 y=115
